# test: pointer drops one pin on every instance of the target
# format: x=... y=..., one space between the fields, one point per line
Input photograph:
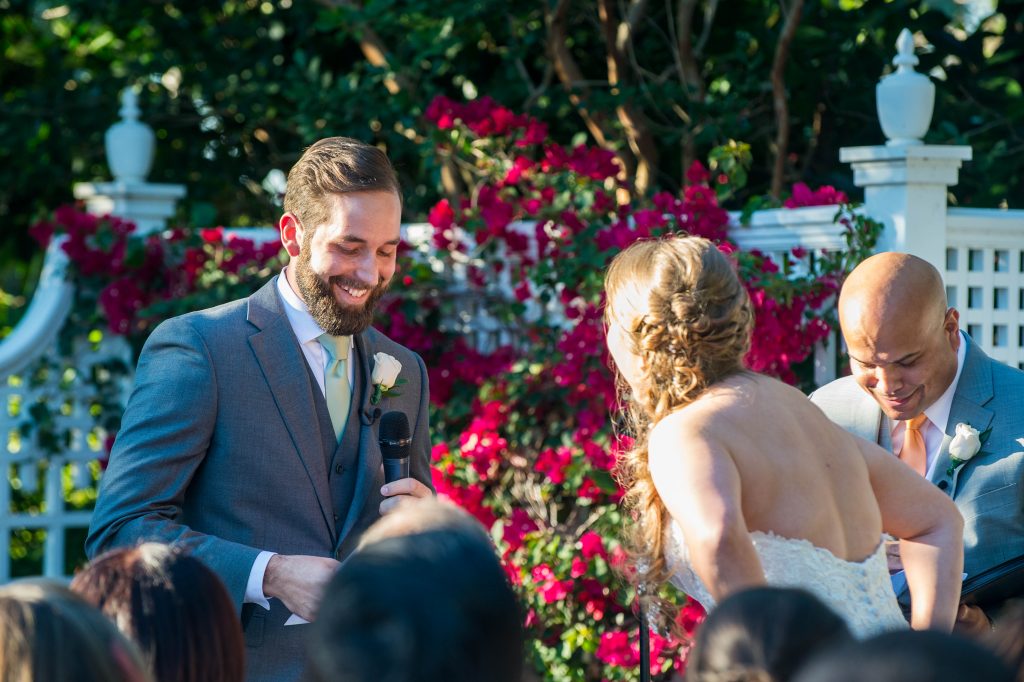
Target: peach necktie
x=914 y=452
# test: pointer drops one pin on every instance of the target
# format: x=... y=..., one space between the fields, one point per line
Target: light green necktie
x=336 y=387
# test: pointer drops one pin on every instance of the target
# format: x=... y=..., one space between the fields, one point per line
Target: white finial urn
x=905 y=98
x=130 y=143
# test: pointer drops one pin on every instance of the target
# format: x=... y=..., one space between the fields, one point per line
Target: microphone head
x=394 y=435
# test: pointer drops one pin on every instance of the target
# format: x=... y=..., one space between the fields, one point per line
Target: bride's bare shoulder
x=728 y=408
x=698 y=428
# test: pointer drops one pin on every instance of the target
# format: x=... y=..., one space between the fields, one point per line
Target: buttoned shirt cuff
x=254 y=588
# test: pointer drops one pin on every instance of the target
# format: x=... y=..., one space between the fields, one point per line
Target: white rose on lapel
x=386 y=369
x=965 y=445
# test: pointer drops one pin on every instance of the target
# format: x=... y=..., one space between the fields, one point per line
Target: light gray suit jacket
x=988 y=488
x=220 y=451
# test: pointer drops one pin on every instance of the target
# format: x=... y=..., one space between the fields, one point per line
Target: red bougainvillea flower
x=592 y=545
x=823 y=196
x=615 y=649
x=517 y=526
x=551 y=589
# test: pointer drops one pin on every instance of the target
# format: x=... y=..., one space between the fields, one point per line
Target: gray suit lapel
x=884 y=429
x=868 y=421
x=938 y=475
x=369 y=457
x=281 y=360
x=973 y=392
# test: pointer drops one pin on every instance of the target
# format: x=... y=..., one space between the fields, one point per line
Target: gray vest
x=341 y=456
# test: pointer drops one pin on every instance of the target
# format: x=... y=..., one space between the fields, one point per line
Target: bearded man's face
x=344 y=267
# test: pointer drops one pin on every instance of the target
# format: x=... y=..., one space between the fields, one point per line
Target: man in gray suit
x=250 y=437
x=915 y=379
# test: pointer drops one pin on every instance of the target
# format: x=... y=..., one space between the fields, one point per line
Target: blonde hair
x=687 y=317
x=48 y=633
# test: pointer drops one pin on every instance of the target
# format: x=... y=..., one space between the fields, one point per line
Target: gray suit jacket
x=220 y=451
x=988 y=488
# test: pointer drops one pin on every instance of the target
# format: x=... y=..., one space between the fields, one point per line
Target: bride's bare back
x=811 y=479
x=753 y=454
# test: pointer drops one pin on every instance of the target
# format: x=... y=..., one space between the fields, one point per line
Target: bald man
x=909 y=358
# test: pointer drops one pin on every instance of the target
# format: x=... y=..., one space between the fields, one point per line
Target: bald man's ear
x=291 y=234
x=951 y=326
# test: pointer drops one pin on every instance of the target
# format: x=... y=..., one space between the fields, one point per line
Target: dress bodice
x=859 y=591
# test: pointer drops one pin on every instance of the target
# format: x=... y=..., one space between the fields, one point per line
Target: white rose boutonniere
x=965 y=445
x=386 y=369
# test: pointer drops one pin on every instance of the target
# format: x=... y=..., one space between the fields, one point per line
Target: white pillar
x=905 y=188
x=129 y=147
x=905 y=181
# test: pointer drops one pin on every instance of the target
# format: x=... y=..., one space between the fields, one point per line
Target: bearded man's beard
x=333 y=317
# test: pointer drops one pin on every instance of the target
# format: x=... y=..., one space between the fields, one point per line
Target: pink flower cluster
x=584 y=369
x=593 y=163
x=469 y=497
x=482 y=445
x=485 y=118
x=785 y=332
x=139 y=271
x=823 y=196
x=621 y=648
x=94 y=250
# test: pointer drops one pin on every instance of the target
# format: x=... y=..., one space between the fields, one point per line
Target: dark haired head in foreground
x=48 y=633
x=433 y=605
x=909 y=656
x=764 y=634
x=173 y=607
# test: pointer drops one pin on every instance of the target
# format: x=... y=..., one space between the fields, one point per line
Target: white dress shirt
x=938 y=415
x=306 y=331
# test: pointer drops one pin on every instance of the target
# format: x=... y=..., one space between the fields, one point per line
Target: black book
x=991 y=588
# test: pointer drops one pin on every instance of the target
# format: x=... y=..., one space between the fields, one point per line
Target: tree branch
x=689 y=69
x=618 y=37
x=705 y=33
x=566 y=69
x=373 y=48
x=778 y=79
x=689 y=72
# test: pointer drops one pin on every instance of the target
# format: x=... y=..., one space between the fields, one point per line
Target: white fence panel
x=985 y=278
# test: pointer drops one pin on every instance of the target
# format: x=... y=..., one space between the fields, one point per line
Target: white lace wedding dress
x=859 y=591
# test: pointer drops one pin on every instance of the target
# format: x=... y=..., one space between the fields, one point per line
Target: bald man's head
x=902 y=339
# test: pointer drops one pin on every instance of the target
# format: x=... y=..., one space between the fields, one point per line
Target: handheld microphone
x=394 y=442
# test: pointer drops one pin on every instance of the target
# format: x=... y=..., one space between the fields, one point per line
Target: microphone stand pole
x=645 y=639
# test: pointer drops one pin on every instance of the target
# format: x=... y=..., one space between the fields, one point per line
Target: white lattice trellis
x=50 y=447
x=985 y=279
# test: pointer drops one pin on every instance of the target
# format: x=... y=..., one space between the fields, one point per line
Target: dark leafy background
x=237 y=88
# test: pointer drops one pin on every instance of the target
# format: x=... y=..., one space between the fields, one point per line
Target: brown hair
x=335 y=165
x=414 y=516
x=173 y=607
x=763 y=634
x=48 y=633
x=420 y=607
x=688 y=318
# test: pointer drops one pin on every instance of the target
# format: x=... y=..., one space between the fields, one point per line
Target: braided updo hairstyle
x=687 y=317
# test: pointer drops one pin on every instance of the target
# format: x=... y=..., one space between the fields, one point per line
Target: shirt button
x=338 y=468
x=943 y=485
x=336 y=517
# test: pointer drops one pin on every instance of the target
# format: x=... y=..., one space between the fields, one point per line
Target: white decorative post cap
x=905 y=98
x=130 y=143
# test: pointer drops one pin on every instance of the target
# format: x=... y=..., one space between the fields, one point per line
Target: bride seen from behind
x=737 y=479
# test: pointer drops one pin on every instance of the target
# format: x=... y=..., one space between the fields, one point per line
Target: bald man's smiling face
x=905 y=361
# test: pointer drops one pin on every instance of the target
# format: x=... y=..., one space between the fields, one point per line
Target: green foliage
x=256 y=81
